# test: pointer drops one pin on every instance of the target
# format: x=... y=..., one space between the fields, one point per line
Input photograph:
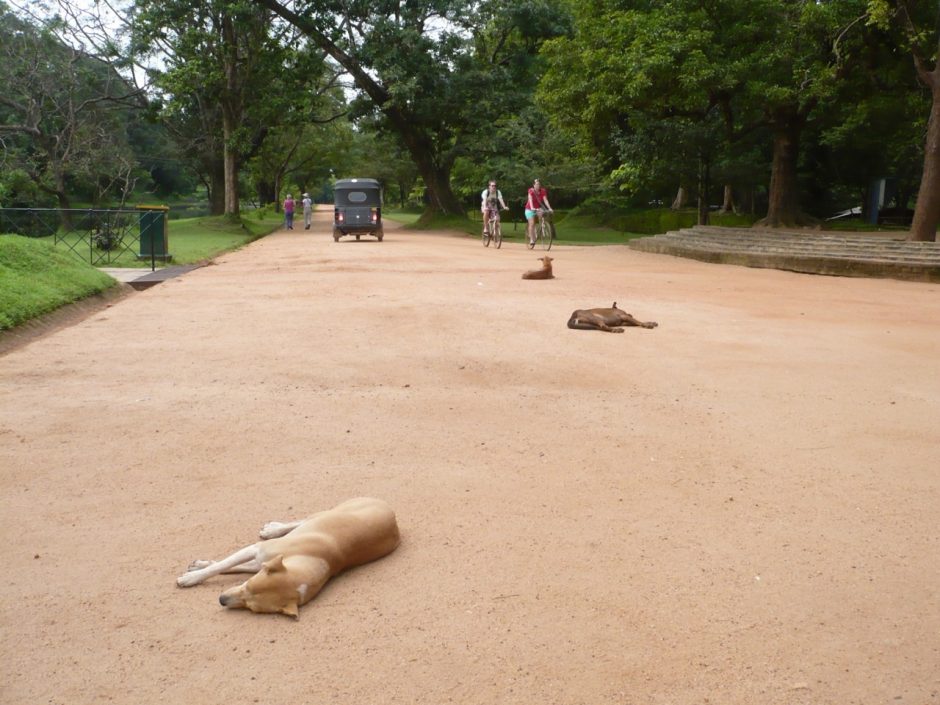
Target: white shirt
x=486 y=191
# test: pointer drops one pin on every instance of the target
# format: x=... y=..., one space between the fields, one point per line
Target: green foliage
x=36 y=278
x=617 y=214
x=63 y=113
x=232 y=80
x=18 y=190
x=437 y=75
x=654 y=91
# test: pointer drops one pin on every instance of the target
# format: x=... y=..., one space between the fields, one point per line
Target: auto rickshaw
x=357 y=208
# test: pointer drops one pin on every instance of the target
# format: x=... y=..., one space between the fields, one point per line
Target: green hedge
x=616 y=213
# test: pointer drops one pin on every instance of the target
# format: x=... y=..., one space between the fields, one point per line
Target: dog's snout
x=223 y=600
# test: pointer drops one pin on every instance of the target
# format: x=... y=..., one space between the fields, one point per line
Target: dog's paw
x=273 y=530
x=651 y=324
x=616 y=330
x=187 y=580
x=198 y=565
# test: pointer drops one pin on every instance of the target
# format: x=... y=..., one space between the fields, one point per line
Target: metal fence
x=98 y=236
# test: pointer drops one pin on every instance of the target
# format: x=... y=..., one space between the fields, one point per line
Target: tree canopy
x=796 y=106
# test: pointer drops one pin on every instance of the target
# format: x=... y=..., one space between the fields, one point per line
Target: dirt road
x=741 y=506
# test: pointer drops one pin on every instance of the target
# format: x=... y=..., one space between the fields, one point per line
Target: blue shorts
x=529 y=215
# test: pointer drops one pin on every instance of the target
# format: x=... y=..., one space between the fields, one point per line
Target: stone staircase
x=844 y=254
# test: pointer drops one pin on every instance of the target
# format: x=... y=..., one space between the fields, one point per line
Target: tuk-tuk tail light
x=375 y=215
x=339 y=216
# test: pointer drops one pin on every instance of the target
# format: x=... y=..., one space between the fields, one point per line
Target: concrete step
x=862 y=255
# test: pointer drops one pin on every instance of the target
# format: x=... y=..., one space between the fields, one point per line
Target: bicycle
x=494 y=230
x=544 y=229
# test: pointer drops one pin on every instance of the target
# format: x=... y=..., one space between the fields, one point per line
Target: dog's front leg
x=249 y=567
x=244 y=556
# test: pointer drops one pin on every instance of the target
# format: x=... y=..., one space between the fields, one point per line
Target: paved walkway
x=814 y=252
x=144 y=278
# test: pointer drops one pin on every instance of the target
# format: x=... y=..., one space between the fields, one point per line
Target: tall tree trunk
x=216 y=188
x=783 y=202
x=927 y=210
x=61 y=197
x=57 y=189
x=727 y=203
x=230 y=161
x=704 y=177
x=441 y=198
x=65 y=215
x=267 y=193
x=681 y=199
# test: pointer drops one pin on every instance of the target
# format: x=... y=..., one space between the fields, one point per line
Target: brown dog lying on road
x=544 y=273
x=297 y=558
x=606 y=319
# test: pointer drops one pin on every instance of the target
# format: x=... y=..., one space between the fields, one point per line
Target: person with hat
x=308 y=211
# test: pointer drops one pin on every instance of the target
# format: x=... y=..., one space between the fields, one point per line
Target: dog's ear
x=276 y=564
x=291 y=610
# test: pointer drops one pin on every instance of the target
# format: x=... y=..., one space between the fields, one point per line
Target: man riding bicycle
x=491 y=201
x=537 y=200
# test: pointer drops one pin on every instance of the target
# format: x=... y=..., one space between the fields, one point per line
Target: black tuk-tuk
x=357 y=208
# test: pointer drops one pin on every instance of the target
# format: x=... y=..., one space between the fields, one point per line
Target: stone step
x=843 y=255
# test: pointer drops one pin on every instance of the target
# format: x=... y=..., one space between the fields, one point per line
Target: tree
x=65 y=110
x=759 y=64
x=415 y=64
x=916 y=27
x=372 y=151
x=301 y=140
x=872 y=129
x=220 y=58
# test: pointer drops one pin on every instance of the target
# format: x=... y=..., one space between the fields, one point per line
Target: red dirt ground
x=740 y=506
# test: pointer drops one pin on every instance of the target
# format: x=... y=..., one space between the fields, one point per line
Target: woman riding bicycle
x=536 y=200
x=491 y=201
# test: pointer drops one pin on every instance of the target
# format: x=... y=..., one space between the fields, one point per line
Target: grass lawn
x=568 y=231
x=194 y=240
x=578 y=229
x=36 y=278
x=190 y=240
x=404 y=217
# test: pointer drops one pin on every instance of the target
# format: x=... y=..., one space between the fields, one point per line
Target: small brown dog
x=606 y=319
x=544 y=273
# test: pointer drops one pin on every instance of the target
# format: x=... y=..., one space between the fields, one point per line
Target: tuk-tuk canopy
x=357 y=192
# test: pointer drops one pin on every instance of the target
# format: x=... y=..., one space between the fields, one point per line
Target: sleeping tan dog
x=297 y=558
x=606 y=319
x=544 y=273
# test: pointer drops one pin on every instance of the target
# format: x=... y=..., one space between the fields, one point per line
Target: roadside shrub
x=616 y=212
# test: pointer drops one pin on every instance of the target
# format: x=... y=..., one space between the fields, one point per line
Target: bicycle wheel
x=498 y=234
x=486 y=234
x=545 y=234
